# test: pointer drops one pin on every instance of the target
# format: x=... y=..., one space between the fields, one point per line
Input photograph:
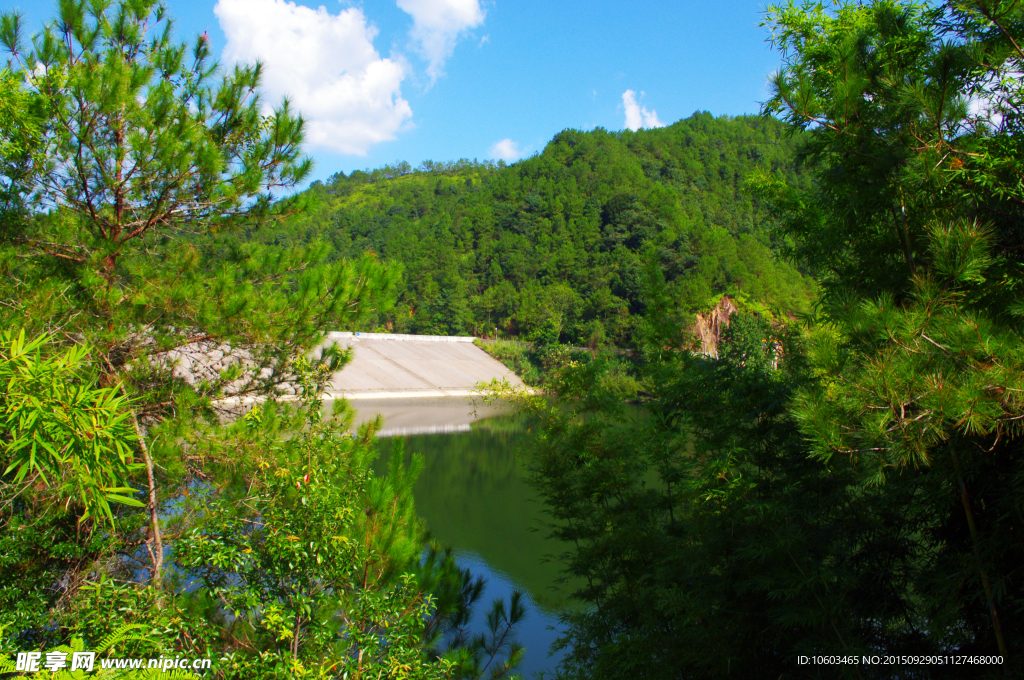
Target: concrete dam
x=391 y=366
x=419 y=384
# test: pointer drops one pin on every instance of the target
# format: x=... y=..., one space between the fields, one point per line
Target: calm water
x=474 y=499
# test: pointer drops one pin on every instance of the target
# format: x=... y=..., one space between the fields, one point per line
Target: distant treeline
x=567 y=239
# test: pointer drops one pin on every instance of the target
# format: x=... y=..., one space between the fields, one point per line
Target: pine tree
x=145 y=156
x=915 y=229
x=133 y=171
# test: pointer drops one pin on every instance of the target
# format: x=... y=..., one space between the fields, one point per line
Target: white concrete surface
x=388 y=367
x=345 y=335
x=384 y=367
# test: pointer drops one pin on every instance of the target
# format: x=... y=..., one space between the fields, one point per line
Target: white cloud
x=505 y=150
x=985 y=109
x=437 y=25
x=638 y=116
x=325 y=64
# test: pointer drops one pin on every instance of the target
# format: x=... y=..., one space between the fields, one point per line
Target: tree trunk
x=966 y=500
x=157 y=552
x=155 y=543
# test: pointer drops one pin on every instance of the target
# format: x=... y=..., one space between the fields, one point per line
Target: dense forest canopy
x=566 y=236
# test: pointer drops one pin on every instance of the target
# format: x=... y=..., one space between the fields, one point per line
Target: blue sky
x=389 y=80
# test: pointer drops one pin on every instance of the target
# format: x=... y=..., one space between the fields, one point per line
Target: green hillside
x=566 y=236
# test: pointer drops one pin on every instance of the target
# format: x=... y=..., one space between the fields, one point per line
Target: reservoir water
x=474 y=498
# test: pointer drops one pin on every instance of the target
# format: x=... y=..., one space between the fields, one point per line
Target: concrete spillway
x=386 y=366
x=418 y=383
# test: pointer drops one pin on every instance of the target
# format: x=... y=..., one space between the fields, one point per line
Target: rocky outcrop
x=709 y=327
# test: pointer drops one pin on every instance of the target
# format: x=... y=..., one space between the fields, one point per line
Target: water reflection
x=424 y=415
x=474 y=499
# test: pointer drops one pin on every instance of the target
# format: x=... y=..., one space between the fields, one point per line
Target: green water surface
x=474 y=497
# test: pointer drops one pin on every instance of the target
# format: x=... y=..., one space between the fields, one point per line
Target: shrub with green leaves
x=60 y=431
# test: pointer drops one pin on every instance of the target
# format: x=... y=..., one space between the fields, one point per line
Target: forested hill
x=562 y=239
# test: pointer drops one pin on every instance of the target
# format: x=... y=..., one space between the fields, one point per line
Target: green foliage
x=307 y=566
x=886 y=99
x=19 y=143
x=704 y=519
x=16 y=119
x=148 y=161
x=61 y=431
x=145 y=159
x=137 y=136
x=539 y=363
x=850 y=484
x=313 y=569
x=495 y=653
x=66 y=458
x=266 y=543
x=563 y=239
x=923 y=368
x=516 y=356
x=750 y=341
x=546 y=335
x=43 y=551
x=941 y=322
